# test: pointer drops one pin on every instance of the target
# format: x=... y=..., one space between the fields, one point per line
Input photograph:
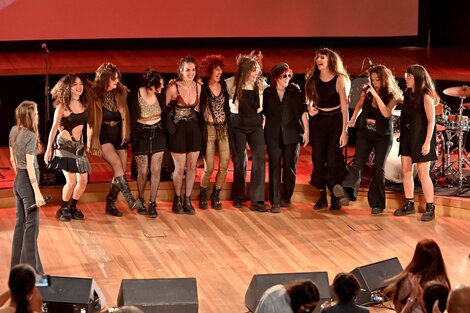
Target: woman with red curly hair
x=215 y=113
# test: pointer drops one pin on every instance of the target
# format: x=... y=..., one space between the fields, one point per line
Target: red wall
x=89 y=19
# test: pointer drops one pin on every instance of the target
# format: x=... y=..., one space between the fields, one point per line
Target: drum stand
x=460 y=145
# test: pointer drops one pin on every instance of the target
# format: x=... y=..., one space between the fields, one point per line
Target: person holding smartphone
x=23 y=295
x=24 y=146
x=377 y=101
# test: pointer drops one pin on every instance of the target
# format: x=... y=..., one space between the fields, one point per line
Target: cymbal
x=461 y=91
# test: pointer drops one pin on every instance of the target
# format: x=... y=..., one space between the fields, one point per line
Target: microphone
x=35 y=206
x=44 y=48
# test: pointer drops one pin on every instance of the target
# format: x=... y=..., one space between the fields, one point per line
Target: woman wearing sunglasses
x=286 y=125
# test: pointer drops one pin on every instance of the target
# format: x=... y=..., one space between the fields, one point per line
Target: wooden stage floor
x=224 y=249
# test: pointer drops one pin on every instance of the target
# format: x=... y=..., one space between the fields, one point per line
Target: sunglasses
x=287 y=75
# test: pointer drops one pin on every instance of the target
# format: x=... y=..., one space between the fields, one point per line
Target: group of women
x=206 y=114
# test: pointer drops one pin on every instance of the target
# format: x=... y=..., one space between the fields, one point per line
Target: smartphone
x=43 y=280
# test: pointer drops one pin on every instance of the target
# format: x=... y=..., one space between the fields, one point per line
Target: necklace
x=77 y=100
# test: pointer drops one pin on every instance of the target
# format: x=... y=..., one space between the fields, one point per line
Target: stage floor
x=224 y=249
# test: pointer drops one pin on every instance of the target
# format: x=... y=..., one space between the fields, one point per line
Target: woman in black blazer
x=286 y=126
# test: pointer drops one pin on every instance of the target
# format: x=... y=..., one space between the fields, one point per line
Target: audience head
x=210 y=64
x=304 y=296
x=187 y=68
x=346 y=287
x=459 y=300
x=435 y=290
x=21 y=284
x=427 y=262
x=280 y=71
x=151 y=80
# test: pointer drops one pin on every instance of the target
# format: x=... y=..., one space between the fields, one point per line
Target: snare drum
x=455 y=123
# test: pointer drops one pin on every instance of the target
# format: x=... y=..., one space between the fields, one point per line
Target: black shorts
x=112 y=134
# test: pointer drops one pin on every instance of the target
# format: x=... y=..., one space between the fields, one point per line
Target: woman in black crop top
x=148 y=115
x=65 y=148
x=110 y=132
x=377 y=101
x=326 y=89
x=185 y=144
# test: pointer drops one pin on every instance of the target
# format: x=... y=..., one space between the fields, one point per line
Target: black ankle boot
x=341 y=194
x=64 y=214
x=203 y=198
x=428 y=215
x=188 y=207
x=407 y=208
x=215 y=198
x=335 y=204
x=177 y=207
x=153 y=209
x=126 y=191
x=142 y=209
x=74 y=212
x=322 y=202
x=111 y=201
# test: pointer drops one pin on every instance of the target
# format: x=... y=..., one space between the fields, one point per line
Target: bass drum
x=393 y=163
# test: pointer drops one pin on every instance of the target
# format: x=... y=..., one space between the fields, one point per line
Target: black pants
x=255 y=138
x=283 y=157
x=366 y=141
x=25 y=236
x=329 y=166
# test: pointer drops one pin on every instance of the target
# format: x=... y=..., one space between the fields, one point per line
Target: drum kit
x=454 y=126
x=448 y=127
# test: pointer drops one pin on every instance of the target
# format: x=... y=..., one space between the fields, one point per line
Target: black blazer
x=283 y=119
x=134 y=110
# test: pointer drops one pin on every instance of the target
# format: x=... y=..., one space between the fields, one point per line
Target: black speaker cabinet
x=72 y=294
x=165 y=295
x=375 y=276
x=261 y=282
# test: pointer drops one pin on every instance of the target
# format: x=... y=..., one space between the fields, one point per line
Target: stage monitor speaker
x=261 y=282
x=374 y=277
x=72 y=294
x=163 y=295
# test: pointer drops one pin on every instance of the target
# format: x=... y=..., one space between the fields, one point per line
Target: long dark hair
x=390 y=89
x=335 y=65
x=427 y=262
x=423 y=84
x=150 y=78
x=302 y=292
x=21 y=283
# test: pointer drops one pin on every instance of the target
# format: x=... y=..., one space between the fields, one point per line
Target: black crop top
x=110 y=116
x=328 y=97
x=74 y=120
